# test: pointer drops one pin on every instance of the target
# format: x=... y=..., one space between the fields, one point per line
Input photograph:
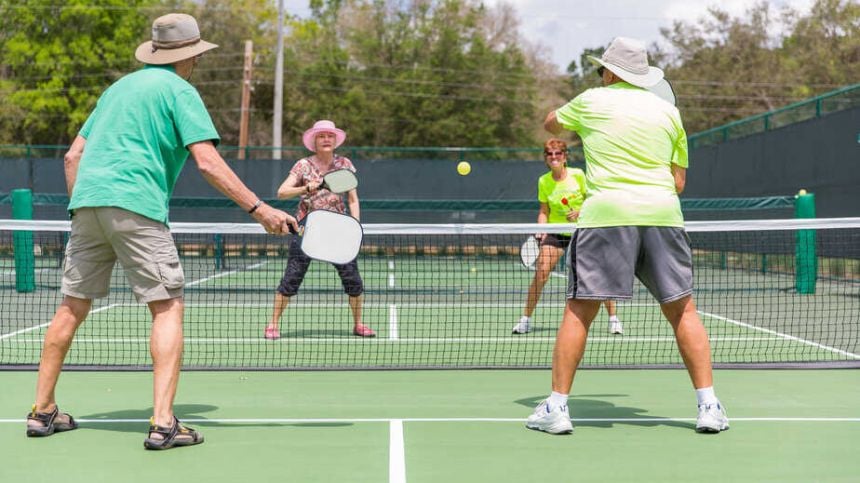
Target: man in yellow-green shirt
x=630 y=225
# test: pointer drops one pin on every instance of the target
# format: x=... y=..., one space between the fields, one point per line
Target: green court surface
x=432 y=426
x=434 y=312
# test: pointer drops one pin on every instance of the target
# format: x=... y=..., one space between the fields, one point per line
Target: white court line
x=417 y=340
x=450 y=305
x=38 y=270
x=231 y=272
x=392 y=322
x=781 y=335
x=396 y=452
x=37 y=327
x=391 y=274
x=20 y=420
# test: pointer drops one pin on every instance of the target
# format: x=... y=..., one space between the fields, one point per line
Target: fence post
x=22 y=242
x=805 y=259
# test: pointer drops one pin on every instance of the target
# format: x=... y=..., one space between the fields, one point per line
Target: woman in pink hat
x=304 y=181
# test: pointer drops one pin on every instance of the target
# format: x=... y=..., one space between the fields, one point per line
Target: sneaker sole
x=711 y=430
x=552 y=430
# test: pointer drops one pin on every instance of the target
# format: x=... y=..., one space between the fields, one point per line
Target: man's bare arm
x=217 y=173
x=72 y=160
x=551 y=124
x=680 y=175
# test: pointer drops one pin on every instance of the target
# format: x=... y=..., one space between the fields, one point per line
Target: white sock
x=705 y=396
x=526 y=318
x=557 y=400
x=613 y=318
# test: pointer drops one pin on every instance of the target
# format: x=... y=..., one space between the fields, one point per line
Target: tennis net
x=770 y=292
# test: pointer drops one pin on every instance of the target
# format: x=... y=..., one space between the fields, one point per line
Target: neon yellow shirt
x=552 y=192
x=630 y=138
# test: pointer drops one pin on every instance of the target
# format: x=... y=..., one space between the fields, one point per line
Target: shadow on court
x=583 y=408
x=184 y=412
x=320 y=333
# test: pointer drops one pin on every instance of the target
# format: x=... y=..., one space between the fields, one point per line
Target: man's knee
x=166 y=305
x=676 y=309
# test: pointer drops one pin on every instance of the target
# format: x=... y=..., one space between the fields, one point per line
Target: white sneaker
x=556 y=421
x=524 y=326
x=712 y=418
x=615 y=327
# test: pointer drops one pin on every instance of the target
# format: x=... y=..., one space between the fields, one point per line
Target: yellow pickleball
x=464 y=168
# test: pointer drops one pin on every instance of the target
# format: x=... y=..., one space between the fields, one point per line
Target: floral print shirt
x=307 y=172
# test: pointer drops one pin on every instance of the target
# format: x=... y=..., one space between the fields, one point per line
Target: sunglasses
x=600 y=71
x=553 y=153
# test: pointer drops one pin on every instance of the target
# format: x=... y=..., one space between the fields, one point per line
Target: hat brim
x=645 y=81
x=145 y=54
x=311 y=134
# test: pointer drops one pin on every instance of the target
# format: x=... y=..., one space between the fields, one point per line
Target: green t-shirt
x=136 y=142
x=630 y=138
x=552 y=192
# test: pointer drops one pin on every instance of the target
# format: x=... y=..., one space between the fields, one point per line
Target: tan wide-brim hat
x=309 y=137
x=175 y=37
x=628 y=59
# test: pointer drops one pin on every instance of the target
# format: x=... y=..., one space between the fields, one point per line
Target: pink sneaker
x=362 y=330
x=272 y=333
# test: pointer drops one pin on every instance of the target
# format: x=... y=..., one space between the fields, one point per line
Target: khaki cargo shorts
x=143 y=247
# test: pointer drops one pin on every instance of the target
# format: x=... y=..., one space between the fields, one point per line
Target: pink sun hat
x=320 y=127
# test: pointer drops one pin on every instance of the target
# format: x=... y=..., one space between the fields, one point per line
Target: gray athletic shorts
x=144 y=248
x=603 y=262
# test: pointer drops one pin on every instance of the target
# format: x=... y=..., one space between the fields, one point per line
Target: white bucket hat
x=175 y=37
x=322 y=126
x=628 y=59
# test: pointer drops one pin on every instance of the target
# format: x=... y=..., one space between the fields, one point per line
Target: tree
x=426 y=73
x=52 y=74
x=727 y=68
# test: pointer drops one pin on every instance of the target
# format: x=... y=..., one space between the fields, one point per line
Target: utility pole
x=245 y=113
x=277 y=121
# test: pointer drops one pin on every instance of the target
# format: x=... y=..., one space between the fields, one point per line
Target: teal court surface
x=429 y=426
x=442 y=392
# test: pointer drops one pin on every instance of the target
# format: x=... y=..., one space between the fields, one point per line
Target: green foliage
x=426 y=73
x=726 y=68
x=392 y=73
x=416 y=73
x=54 y=74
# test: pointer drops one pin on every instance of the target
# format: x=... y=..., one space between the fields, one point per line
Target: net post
x=806 y=261
x=219 y=251
x=22 y=242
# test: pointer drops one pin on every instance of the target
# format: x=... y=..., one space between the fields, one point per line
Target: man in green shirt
x=630 y=225
x=120 y=173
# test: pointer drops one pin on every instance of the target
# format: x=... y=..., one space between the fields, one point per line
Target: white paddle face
x=664 y=90
x=331 y=237
x=340 y=181
x=529 y=252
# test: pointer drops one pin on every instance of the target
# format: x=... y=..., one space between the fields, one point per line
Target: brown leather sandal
x=48 y=423
x=175 y=435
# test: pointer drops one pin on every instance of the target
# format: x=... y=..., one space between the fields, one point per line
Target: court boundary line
x=416 y=340
x=396 y=452
x=105 y=307
x=392 y=322
x=780 y=334
x=37 y=327
x=811 y=419
x=224 y=274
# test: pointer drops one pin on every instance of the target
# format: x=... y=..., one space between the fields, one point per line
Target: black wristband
x=256 y=205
